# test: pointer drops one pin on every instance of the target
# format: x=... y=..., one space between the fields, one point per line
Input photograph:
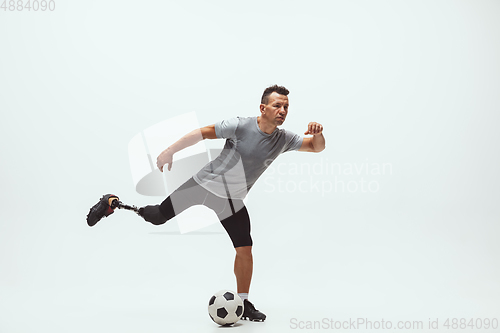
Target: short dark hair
x=269 y=90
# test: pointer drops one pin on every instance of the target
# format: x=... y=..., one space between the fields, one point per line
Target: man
x=251 y=145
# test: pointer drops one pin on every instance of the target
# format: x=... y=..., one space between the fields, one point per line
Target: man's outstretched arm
x=192 y=138
x=316 y=143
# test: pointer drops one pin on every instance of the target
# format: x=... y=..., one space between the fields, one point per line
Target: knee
x=244 y=252
x=152 y=214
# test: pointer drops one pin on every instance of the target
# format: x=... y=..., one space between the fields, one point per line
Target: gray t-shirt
x=246 y=155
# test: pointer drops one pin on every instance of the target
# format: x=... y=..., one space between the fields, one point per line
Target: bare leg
x=243 y=268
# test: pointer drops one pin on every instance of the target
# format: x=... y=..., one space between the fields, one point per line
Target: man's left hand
x=314 y=128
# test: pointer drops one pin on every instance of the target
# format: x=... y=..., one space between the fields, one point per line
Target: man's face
x=276 y=110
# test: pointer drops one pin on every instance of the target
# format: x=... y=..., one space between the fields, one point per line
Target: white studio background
x=409 y=86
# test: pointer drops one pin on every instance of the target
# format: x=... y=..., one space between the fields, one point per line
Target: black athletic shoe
x=104 y=207
x=251 y=313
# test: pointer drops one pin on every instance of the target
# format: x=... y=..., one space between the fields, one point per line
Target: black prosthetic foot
x=104 y=207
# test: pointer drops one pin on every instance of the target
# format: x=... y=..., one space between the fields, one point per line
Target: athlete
x=252 y=143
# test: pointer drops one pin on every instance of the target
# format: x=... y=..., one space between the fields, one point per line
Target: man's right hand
x=165 y=157
x=193 y=137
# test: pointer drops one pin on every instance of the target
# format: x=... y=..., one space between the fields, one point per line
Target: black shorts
x=231 y=213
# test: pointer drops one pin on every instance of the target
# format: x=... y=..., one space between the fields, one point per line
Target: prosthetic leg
x=105 y=207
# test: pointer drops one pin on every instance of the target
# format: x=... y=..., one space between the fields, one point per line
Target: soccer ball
x=225 y=307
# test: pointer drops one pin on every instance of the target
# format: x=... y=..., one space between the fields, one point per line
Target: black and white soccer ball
x=225 y=307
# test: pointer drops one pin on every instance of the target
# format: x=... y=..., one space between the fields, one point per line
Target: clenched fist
x=314 y=128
